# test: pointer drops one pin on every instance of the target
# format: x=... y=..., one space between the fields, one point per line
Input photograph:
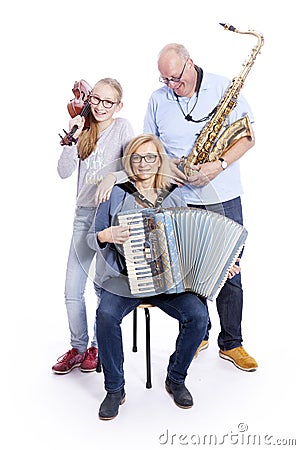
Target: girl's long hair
x=87 y=141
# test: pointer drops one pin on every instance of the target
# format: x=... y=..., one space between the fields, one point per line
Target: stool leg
x=148 y=350
x=134 y=346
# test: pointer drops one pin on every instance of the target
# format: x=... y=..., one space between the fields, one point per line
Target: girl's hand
x=79 y=121
x=104 y=188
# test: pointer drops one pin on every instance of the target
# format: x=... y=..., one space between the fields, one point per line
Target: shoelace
x=65 y=356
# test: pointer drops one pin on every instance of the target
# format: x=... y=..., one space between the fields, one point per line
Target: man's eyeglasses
x=94 y=100
x=150 y=158
x=173 y=79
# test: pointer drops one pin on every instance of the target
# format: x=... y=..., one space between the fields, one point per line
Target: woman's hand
x=116 y=235
x=104 y=188
x=235 y=269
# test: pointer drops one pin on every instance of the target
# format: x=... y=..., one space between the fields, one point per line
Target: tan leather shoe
x=202 y=346
x=240 y=358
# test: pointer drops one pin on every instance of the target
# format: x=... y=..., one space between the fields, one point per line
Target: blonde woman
x=146 y=164
x=98 y=151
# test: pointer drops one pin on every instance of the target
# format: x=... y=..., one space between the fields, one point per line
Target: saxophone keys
x=217 y=127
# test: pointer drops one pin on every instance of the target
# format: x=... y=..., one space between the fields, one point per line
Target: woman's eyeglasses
x=107 y=104
x=150 y=158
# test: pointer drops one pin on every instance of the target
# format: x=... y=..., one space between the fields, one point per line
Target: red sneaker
x=90 y=361
x=68 y=361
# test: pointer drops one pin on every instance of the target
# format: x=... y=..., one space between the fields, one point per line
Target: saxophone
x=216 y=137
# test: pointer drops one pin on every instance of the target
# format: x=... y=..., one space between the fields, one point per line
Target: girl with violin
x=95 y=151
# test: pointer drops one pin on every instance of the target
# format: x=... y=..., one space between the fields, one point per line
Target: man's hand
x=205 y=173
x=177 y=175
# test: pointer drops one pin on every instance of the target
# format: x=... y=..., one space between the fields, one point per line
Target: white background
x=45 y=47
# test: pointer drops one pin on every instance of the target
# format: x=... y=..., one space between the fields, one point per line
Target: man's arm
x=210 y=170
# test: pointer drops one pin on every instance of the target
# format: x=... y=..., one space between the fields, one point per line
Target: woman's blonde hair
x=162 y=179
x=87 y=141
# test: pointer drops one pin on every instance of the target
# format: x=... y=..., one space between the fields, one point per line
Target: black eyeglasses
x=150 y=158
x=173 y=79
x=94 y=100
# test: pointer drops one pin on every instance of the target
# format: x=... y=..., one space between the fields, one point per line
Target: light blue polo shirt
x=165 y=119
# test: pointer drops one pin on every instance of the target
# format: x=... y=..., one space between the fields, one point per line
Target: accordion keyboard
x=138 y=254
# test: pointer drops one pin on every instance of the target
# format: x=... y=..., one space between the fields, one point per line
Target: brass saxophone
x=216 y=137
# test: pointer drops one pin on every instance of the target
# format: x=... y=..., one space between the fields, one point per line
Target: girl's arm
x=105 y=187
x=68 y=161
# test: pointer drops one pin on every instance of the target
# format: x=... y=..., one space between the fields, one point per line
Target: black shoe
x=109 y=408
x=182 y=397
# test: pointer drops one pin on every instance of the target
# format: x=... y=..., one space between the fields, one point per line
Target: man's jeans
x=230 y=299
x=187 y=308
x=79 y=262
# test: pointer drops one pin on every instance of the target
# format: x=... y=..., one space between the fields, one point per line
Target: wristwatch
x=223 y=163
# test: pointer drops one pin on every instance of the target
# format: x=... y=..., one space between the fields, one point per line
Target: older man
x=176 y=113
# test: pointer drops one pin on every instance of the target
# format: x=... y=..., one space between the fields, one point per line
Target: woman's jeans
x=230 y=299
x=187 y=308
x=79 y=262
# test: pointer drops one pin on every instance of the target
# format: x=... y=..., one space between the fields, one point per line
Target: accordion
x=179 y=249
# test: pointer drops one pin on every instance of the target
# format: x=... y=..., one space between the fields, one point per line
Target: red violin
x=79 y=105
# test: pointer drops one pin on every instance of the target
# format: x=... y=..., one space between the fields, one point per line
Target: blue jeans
x=79 y=262
x=230 y=299
x=187 y=308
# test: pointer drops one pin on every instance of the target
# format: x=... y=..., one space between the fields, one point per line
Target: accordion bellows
x=174 y=250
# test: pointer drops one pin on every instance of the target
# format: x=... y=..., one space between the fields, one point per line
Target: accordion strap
x=131 y=189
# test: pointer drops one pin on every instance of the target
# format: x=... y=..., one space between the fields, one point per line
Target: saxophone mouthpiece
x=227 y=26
